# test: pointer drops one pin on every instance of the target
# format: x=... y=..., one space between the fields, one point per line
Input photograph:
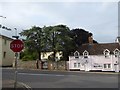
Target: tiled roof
x=97 y=49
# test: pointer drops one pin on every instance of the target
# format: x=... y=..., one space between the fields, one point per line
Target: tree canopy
x=54 y=38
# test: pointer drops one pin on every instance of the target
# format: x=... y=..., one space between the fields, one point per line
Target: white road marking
x=40 y=74
x=25 y=85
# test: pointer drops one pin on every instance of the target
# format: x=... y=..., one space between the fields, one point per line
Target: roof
x=98 y=49
x=6 y=37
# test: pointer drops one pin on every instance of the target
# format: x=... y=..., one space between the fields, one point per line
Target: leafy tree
x=54 y=38
x=80 y=36
x=33 y=41
x=58 y=39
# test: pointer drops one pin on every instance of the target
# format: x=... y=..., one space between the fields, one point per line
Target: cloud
x=59 y=0
x=97 y=17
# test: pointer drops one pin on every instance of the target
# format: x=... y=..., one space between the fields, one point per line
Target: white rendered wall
x=93 y=60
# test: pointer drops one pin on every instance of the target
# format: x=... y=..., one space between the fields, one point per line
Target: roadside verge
x=6 y=84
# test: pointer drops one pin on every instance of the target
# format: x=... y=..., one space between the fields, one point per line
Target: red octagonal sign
x=16 y=45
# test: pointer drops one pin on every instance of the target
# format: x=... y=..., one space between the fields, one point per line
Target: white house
x=92 y=57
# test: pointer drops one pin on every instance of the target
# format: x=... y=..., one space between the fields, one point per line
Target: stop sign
x=16 y=45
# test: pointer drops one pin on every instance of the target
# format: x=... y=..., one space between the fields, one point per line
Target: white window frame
x=106 y=53
x=75 y=65
x=116 y=54
x=76 y=54
x=107 y=66
x=78 y=64
x=85 y=54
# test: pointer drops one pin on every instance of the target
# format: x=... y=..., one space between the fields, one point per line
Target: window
x=116 y=52
x=78 y=64
x=105 y=66
x=76 y=54
x=106 y=53
x=4 y=54
x=75 y=65
x=85 y=54
x=109 y=65
x=43 y=55
x=5 y=41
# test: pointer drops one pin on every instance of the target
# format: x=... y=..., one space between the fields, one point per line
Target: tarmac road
x=62 y=79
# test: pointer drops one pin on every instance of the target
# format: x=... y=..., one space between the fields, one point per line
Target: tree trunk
x=54 y=56
x=38 y=62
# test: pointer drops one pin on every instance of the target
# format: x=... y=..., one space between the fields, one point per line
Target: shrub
x=27 y=58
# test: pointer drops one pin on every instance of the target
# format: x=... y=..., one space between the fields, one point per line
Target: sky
x=97 y=17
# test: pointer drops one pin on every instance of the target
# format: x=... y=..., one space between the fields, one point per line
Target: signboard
x=16 y=45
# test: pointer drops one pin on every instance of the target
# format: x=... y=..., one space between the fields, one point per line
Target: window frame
x=106 y=53
x=85 y=54
x=105 y=66
x=76 y=54
x=78 y=64
x=75 y=65
x=116 y=54
x=109 y=65
x=4 y=54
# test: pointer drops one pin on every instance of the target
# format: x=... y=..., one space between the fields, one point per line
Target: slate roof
x=98 y=49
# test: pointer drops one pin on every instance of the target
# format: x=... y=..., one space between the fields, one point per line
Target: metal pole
x=15 y=84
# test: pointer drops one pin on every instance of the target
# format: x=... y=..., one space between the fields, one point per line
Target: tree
x=58 y=38
x=80 y=36
x=33 y=41
x=55 y=38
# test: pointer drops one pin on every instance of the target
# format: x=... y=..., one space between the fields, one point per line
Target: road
x=59 y=79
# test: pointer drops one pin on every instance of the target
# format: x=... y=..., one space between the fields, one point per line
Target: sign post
x=16 y=46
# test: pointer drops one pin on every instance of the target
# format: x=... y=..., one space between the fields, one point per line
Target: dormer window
x=85 y=54
x=76 y=54
x=106 y=53
x=116 y=52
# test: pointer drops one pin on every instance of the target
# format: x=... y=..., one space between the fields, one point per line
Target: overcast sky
x=99 y=18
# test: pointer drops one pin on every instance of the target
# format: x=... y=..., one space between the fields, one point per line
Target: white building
x=94 y=57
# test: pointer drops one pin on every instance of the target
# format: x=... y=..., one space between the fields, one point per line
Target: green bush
x=27 y=58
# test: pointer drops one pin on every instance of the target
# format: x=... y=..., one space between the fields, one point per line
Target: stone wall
x=61 y=65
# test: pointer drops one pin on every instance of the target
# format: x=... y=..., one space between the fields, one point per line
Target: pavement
x=95 y=72
x=9 y=84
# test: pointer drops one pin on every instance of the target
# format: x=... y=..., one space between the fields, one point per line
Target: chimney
x=90 y=39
